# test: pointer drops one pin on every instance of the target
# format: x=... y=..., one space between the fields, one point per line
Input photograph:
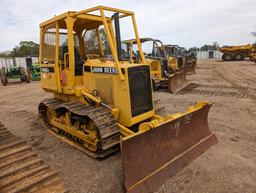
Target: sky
x=187 y=23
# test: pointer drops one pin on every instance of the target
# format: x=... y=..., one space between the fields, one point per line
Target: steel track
x=107 y=127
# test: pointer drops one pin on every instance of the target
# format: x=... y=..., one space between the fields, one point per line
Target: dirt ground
x=229 y=166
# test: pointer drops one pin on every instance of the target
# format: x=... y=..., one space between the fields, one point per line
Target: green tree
x=104 y=40
x=91 y=43
x=207 y=47
x=193 y=49
x=5 y=54
x=25 y=48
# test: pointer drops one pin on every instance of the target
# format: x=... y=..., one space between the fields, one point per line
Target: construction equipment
x=175 y=56
x=181 y=59
x=163 y=73
x=35 y=72
x=253 y=53
x=7 y=73
x=237 y=53
x=253 y=57
x=3 y=76
x=33 y=69
x=103 y=102
x=12 y=72
x=191 y=61
x=21 y=170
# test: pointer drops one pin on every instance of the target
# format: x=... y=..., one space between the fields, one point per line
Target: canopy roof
x=89 y=17
x=142 y=40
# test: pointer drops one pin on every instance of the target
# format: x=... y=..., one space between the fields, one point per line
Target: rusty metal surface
x=191 y=69
x=178 y=81
x=173 y=83
x=21 y=170
x=152 y=157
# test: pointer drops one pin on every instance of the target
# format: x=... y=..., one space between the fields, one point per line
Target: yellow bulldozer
x=165 y=72
x=181 y=59
x=237 y=53
x=102 y=103
x=175 y=56
x=191 y=62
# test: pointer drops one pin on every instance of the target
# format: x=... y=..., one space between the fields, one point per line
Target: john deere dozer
x=102 y=102
x=163 y=73
x=180 y=59
x=191 y=60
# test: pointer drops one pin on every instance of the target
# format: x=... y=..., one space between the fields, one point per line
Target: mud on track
x=230 y=166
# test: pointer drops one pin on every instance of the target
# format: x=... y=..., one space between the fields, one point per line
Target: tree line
x=25 y=48
x=206 y=47
x=30 y=48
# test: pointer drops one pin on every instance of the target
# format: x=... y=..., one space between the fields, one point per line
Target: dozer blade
x=151 y=157
x=178 y=81
x=191 y=69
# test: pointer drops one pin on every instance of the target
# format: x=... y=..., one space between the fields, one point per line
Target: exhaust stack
x=118 y=36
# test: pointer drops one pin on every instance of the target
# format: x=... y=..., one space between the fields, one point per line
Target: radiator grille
x=140 y=89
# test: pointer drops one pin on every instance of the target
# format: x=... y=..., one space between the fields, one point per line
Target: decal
x=107 y=70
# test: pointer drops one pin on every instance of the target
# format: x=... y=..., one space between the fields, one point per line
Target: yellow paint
x=67 y=86
x=155 y=63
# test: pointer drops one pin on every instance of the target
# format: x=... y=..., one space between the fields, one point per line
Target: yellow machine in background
x=191 y=62
x=253 y=56
x=164 y=70
x=180 y=59
x=253 y=53
x=175 y=57
x=100 y=100
x=237 y=53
